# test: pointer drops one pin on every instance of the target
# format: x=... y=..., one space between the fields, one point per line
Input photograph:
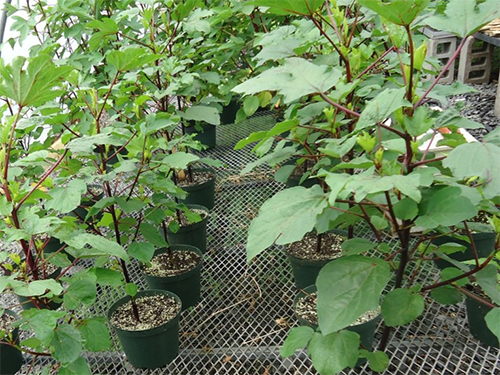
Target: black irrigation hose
x=3 y=22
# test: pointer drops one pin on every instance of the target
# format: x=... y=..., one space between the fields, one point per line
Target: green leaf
x=82 y=289
x=446 y=295
x=107 y=277
x=106 y=28
x=179 y=160
x=87 y=143
x=419 y=123
x=406 y=209
x=477 y=159
x=131 y=289
x=465 y=17
x=285 y=218
x=206 y=114
x=378 y=361
x=142 y=251
x=43 y=322
x=297 y=338
x=301 y=7
x=254 y=137
x=451 y=272
x=399 y=12
x=445 y=207
x=382 y=107
x=130 y=58
x=334 y=352
x=347 y=288
x=131 y=205
x=356 y=246
x=66 y=199
x=401 y=307
x=78 y=367
x=5 y=206
x=99 y=246
x=250 y=105
x=493 y=321
x=35 y=85
x=487 y=279
x=38 y=288
x=66 y=344
x=152 y=235
x=295 y=79
x=95 y=334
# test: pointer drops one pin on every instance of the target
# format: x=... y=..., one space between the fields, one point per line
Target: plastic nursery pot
x=228 y=114
x=366 y=331
x=194 y=234
x=305 y=271
x=485 y=243
x=202 y=194
x=205 y=133
x=11 y=359
x=40 y=302
x=476 y=311
x=54 y=245
x=151 y=348
x=185 y=285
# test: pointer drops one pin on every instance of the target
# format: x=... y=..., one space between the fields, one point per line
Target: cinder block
x=475 y=61
x=442 y=46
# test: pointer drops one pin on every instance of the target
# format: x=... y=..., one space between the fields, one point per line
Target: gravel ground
x=479 y=107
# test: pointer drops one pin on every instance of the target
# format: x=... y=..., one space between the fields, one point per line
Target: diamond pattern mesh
x=245 y=311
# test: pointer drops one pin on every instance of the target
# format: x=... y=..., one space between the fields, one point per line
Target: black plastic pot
x=305 y=271
x=54 y=245
x=366 y=331
x=307 y=183
x=485 y=243
x=11 y=359
x=152 y=348
x=206 y=136
x=476 y=311
x=193 y=234
x=185 y=285
x=228 y=114
x=202 y=194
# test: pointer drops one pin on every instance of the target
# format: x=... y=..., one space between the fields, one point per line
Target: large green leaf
x=106 y=28
x=203 y=113
x=35 y=85
x=285 y=218
x=487 y=279
x=400 y=12
x=66 y=343
x=295 y=79
x=334 y=352
x=43 y=322
x=142 y=251
x=78 y=367
x=401 y=306
x=130 y=58
x=477 y=159
x=493 y=321
x=465 y=17
x=300 y=7
x=347 y=288
x=66 y=198
x=38 y=288
x=382 y=107
x=96 y=334
x=446 y=206
x=179 y=160
x=98 y=246
x=82 y=289
x=297 y=338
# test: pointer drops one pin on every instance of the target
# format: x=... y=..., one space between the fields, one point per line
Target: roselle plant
x=357 y=105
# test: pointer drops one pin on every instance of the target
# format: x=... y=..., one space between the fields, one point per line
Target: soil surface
x=306 y=309
x=181 y=262
x=198 y=179
x=154 y=311
x=306 y=249
x=6 y=321
x=49 y=270
x=184 y=220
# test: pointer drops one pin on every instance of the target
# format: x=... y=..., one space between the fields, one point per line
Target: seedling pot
x=202 y=194
x=193 y=234
x=228 y=114
x=305 y=271
x=366 y=331
x=185 y=285
x=485 y=243
x=54 y=245
x=152 y=348
x=11 y=359
x=476 y=311
x=206 y=136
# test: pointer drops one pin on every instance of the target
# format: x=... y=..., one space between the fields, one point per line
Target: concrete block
x=442 y=46
x=475 y=61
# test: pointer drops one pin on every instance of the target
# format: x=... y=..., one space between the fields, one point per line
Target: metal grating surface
x=245 y=312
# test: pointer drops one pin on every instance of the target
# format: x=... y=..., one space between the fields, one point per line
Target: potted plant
x=370 y=119
x=11 y=358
